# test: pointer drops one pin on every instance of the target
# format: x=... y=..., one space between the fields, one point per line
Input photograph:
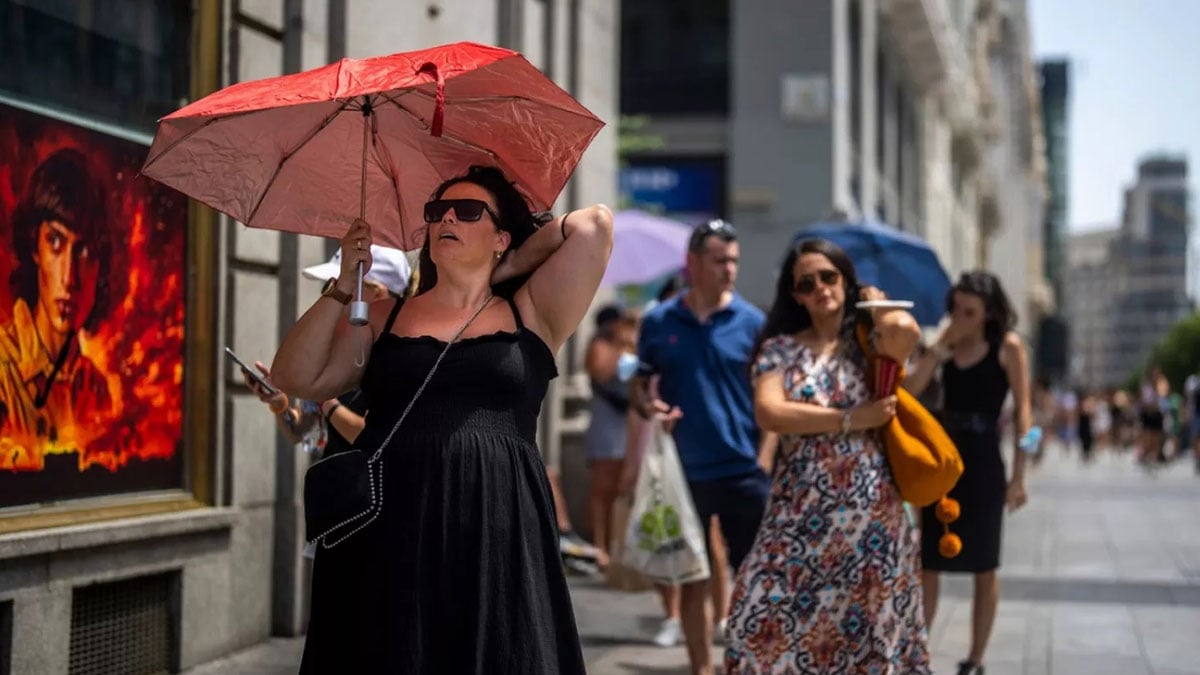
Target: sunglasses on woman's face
x=466 y=210
x=807 y=283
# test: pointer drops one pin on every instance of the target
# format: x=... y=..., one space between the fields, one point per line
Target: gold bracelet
x=276 y=412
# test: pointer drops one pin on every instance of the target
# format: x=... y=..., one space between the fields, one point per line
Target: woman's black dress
x=974 y=397
x=461 y=572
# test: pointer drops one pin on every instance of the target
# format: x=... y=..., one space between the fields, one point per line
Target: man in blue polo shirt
x=699 y=345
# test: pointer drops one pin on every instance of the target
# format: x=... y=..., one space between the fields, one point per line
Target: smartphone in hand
x=252 y=373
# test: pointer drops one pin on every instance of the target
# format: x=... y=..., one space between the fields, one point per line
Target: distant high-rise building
x=1051 y=356
x=1055 y=118
x=1126 y=287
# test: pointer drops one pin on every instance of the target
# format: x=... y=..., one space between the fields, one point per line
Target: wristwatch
x=332 y=291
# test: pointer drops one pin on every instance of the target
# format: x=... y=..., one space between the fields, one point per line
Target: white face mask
x=627 y=366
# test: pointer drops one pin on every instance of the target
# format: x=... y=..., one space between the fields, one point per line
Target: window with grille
x=128 y=626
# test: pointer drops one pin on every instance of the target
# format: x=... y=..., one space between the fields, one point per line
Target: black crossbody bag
x=343 y=493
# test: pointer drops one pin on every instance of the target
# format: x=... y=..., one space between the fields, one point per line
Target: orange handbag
x=925 y=462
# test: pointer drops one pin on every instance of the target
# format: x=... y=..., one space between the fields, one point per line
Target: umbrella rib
x=382 y=151
x=508 y=97
x=445 y=135
x=210 y=121
x=283 y=160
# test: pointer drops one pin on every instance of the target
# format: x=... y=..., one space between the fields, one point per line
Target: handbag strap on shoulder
x=432 y=370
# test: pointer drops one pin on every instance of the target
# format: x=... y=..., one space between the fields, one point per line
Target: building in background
x=860 y=109
x=1089 y=286
x=1014 y=181
x=118 y=570
x=1056 y=111
x=1151 y=260
x=1050 y=359
x=1125 y=288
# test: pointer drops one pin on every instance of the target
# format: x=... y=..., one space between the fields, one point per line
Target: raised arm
x=939 y=352
x=567 y=257
x=322 y=355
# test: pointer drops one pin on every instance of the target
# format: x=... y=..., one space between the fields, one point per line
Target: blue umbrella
x=903 y=266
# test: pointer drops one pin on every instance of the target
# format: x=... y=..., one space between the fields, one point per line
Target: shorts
x=739 y=502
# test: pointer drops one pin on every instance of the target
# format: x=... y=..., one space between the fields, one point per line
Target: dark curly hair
x=62 y=189
x=787 y=316
x=999 y=315
x=516 y=218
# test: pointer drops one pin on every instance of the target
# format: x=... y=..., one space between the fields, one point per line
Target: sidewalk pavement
x=1100 y=576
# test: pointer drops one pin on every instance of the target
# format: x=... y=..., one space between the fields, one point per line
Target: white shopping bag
x=665 y=540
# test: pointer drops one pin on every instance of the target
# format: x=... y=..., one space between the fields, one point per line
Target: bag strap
x=432 y=370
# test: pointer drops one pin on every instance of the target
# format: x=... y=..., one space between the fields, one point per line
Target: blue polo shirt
x=705 y=370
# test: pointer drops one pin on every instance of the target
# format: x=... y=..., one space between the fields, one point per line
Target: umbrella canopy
x=645 y=247
x=903 y=266
x=308 y=152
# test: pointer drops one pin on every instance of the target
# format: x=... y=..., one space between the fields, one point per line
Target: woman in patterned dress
x=832 y=584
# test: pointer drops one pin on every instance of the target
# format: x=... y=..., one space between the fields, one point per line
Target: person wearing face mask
x=831 y=584
x=611 y=347
x=982 y=358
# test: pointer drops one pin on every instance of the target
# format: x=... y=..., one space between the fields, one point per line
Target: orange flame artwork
x=92 y=272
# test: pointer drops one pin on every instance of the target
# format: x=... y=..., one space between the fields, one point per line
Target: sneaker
x=580 y=567
x=721 y=632
x=571 y=545
x=669 y=633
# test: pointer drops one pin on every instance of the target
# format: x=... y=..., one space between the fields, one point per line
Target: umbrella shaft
x=362 y=194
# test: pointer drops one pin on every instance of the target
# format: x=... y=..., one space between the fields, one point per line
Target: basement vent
x=6 y=638
x=125 y=627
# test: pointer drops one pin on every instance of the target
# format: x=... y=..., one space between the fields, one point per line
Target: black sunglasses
x=718 y=227
x=808 y=283
x=466 y=210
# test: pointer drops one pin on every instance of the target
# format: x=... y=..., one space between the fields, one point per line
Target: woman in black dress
x=460 y=573
x=982 y=358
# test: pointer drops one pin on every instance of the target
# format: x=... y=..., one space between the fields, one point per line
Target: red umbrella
x=372 y=137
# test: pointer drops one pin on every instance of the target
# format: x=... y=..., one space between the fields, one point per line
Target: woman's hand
x=868 y=293
x=1015 y=496
x=874 y=414
x=951 y=334
x=356 y=248
x=277 y=402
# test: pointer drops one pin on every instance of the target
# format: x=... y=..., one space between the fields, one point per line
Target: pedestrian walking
x=982 y=358
x=832 y=583
x=459 y=573
x=614 y=344
x=699 y=345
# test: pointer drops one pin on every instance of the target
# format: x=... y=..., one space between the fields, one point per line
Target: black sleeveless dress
x=972 y=402
x=461 y=572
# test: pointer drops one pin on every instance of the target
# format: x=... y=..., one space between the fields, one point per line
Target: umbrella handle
x=358 y=308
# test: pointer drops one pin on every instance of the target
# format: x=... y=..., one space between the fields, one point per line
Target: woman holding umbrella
x=460 y=572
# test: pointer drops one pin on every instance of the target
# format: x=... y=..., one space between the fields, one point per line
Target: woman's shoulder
x=1011 y=346
x=780 y=346
x=783 y=341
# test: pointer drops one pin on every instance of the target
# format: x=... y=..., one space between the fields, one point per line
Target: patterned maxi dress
x=832 y=583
